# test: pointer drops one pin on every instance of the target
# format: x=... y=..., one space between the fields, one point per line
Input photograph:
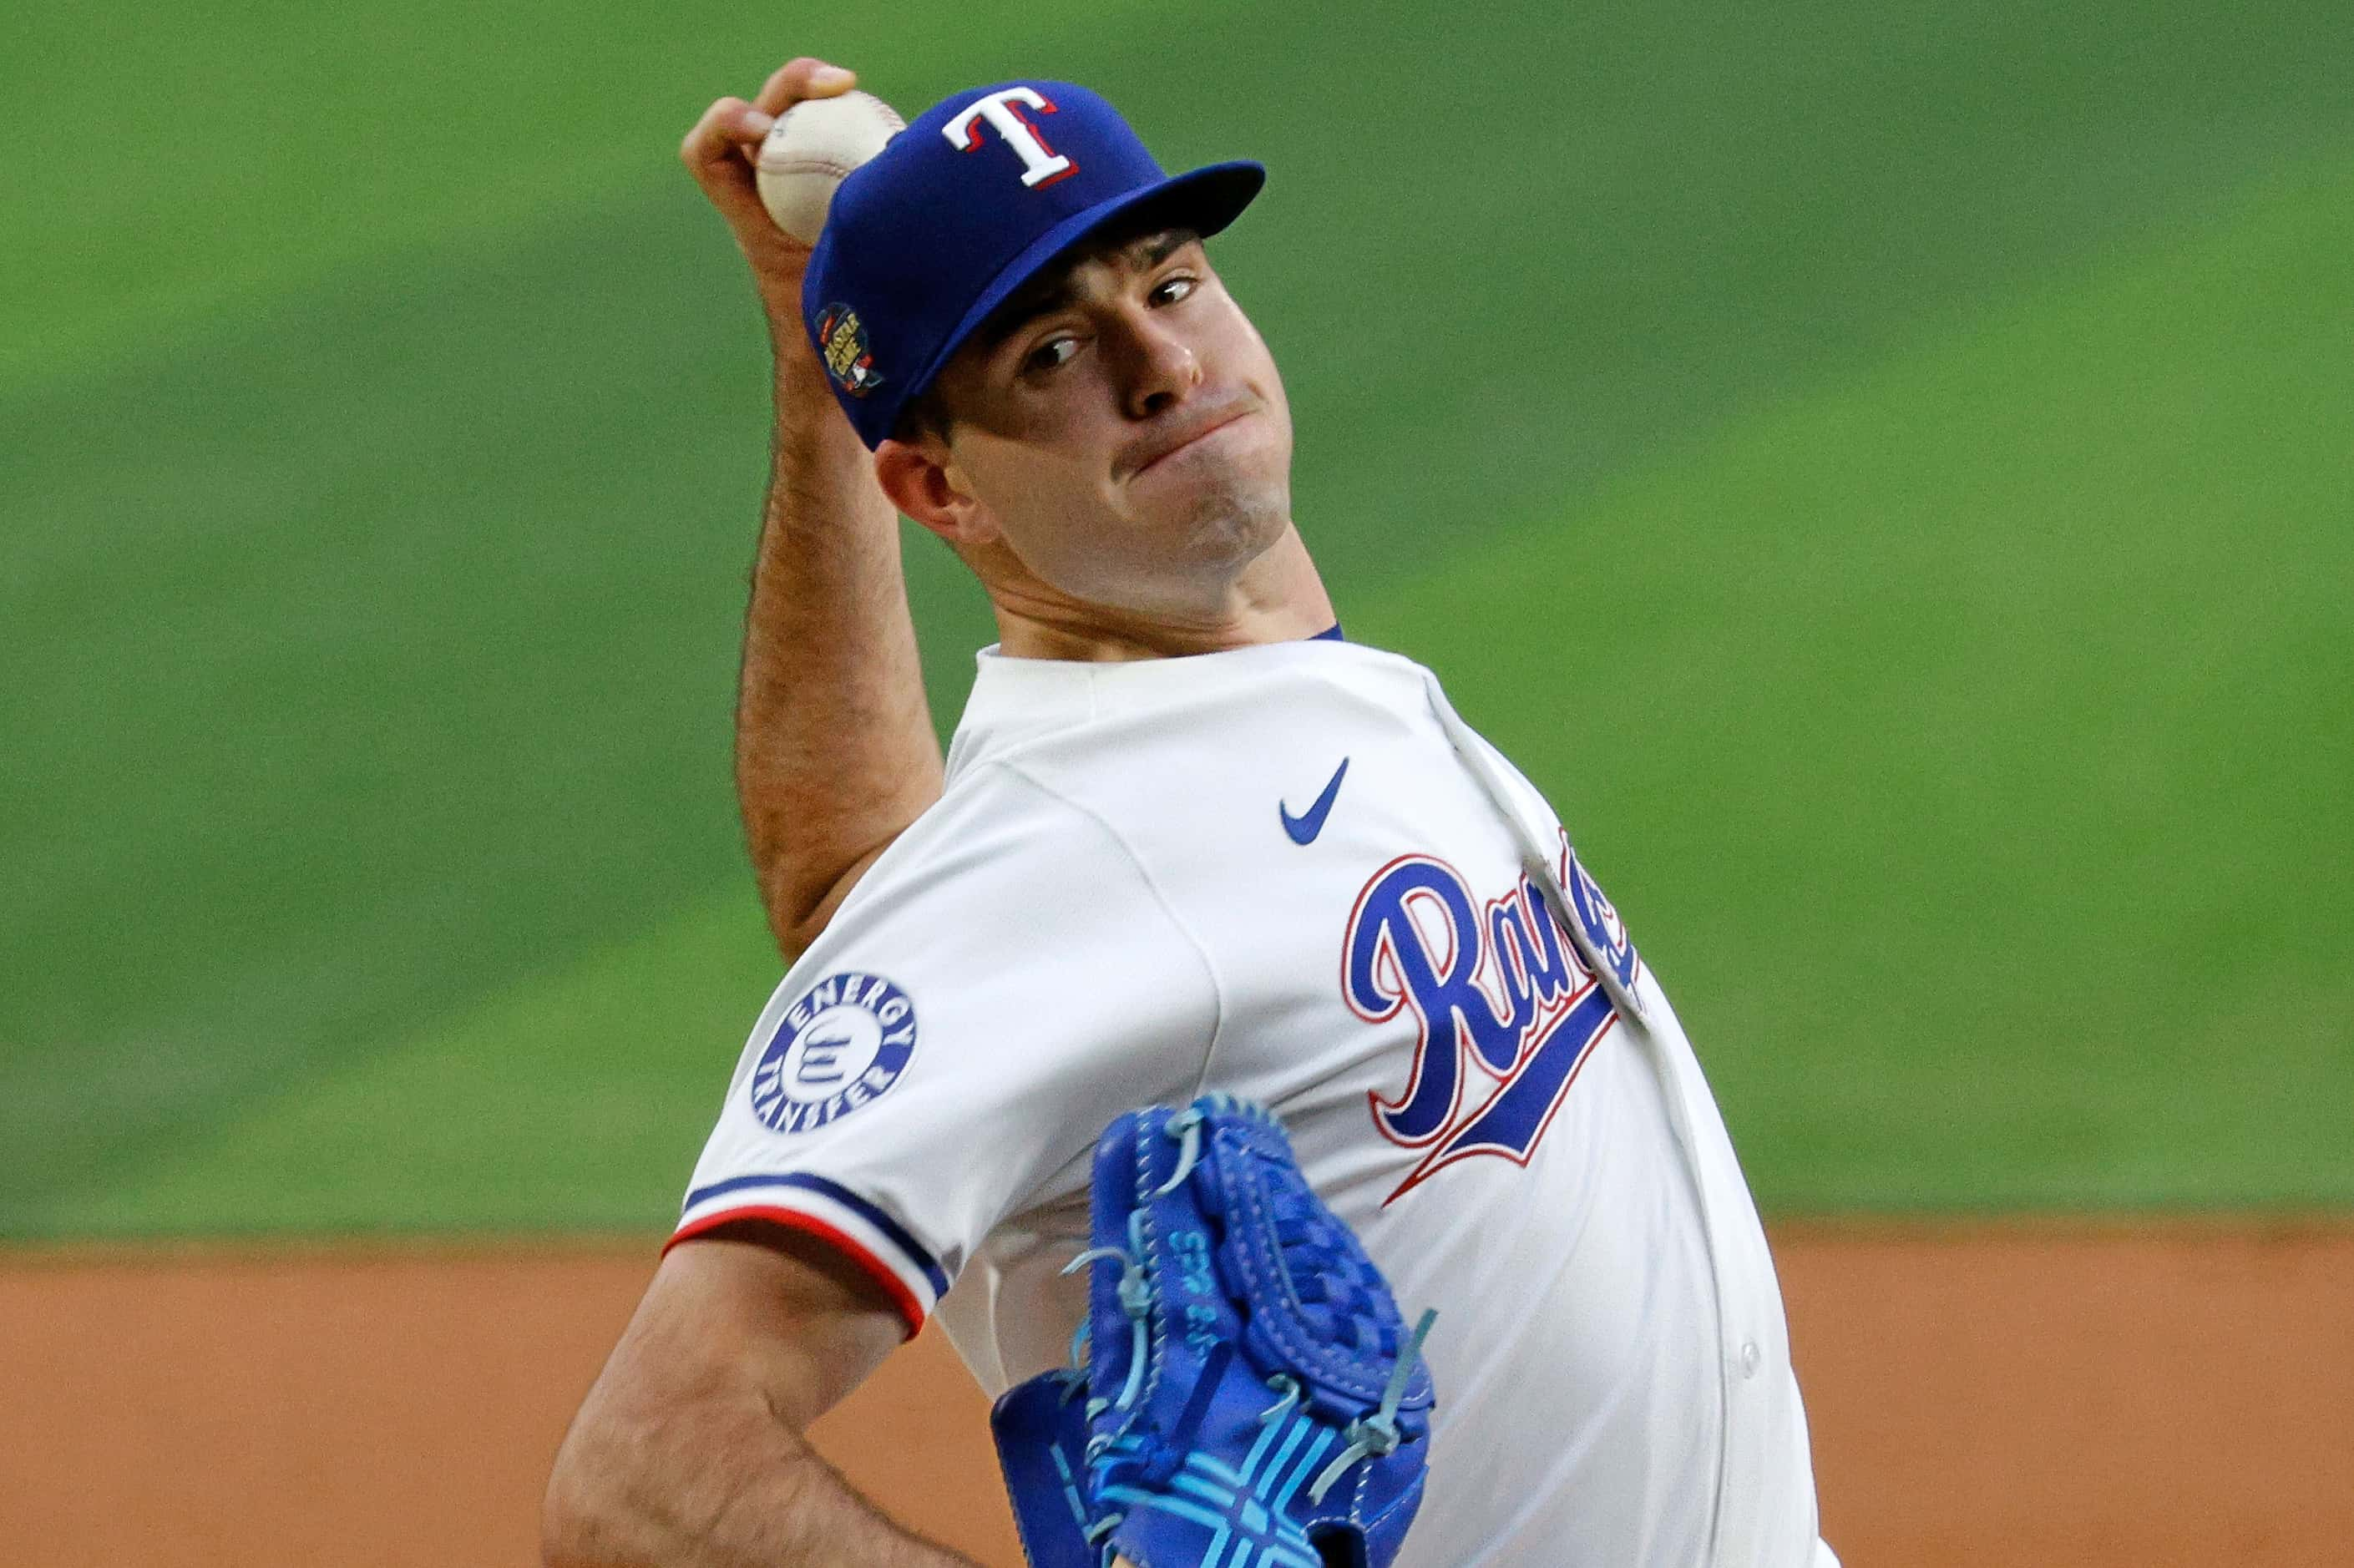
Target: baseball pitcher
x=1433 y=1220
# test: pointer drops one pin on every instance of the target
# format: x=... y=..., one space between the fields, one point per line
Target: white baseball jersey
x=1292 y=872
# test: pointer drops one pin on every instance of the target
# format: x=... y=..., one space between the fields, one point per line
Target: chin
x=1239 y=506
x=1236 y=519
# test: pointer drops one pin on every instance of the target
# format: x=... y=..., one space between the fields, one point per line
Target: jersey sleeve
x=1002 y=982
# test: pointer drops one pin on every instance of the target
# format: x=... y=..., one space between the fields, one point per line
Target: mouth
x=1186 y=438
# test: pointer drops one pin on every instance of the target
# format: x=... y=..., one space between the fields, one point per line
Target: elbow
x=569 y=1523
x=584 y=1519
x=799 y=904
x=801 y=908
x=795 y=932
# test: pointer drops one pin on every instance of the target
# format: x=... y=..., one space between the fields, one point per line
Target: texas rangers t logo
x=1507 y=1010
x=1040 y=165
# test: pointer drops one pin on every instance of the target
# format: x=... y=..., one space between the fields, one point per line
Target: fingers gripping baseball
x=719 y=152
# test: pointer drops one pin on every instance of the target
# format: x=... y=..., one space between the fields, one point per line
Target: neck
x=1278 y=598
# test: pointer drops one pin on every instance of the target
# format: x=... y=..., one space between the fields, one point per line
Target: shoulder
x=1027 y=708
x=995 y=827
x=1002 y=854
x=1161 y=730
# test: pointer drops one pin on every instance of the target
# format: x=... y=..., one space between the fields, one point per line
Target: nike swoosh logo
x=1304 y=827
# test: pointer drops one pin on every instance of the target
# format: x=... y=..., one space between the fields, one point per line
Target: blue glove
x=1250 y=1394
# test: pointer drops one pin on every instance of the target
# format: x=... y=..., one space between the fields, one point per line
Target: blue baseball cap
x=960 y=210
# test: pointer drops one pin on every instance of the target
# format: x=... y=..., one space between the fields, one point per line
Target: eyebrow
x=1146 y=251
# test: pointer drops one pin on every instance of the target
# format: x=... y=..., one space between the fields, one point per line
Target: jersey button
x=1752 y=1358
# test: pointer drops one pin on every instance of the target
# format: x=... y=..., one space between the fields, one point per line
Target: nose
x=1162 y=368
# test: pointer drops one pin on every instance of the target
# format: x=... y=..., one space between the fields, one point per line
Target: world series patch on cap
x=976 y=197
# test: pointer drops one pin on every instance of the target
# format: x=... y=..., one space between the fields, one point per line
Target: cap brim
x=1205 y=200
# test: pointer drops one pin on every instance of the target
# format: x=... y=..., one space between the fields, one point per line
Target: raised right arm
x=836 y=753
x=689 y=1453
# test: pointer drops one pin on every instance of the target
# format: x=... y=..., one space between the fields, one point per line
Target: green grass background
x=1888 y=471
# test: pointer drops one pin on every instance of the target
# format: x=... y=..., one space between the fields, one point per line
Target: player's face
x=1124 y=432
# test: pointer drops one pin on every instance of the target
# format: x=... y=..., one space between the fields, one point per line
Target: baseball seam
x=809 y=166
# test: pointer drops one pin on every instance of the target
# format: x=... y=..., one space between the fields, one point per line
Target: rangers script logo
x=1508 y=1010
x=841 y=1045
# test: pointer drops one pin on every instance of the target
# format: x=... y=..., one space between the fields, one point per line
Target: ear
x=922 y=480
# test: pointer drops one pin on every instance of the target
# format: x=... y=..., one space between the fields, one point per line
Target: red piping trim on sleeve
x=882 y=1274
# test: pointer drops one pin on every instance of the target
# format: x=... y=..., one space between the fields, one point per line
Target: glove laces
x=1135 y=1299
x=1377 y=1436
x=1186 y=1128
x=1135 y=1291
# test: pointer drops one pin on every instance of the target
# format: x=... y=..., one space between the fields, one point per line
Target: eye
x=1169 y=291
x=1047 y=356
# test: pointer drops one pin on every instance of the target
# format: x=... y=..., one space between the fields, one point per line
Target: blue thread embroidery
x=842 y=1043
x=1304 y=828
x=1498 y=996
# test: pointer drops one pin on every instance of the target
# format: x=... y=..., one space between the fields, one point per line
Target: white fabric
x=1106 y=909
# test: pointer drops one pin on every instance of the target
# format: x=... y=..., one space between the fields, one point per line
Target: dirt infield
x=2065 y=1397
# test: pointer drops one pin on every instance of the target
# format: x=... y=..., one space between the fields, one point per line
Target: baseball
x=810 y=148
